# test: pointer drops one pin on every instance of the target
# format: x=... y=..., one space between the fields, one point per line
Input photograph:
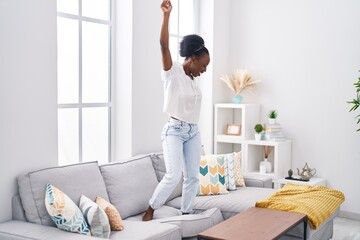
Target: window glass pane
x=95 y=62
x=96 y=9
x=68 y=60
x=95 y=134
x=68 y=136
x=68 y=6
x=186 y=24
x=173 y=25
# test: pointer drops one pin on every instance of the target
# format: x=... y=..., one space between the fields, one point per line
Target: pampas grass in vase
x=239 y=81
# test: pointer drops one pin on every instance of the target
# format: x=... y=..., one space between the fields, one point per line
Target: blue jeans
x=182 y=152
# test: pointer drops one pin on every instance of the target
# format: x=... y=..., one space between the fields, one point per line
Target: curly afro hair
x=192 y=45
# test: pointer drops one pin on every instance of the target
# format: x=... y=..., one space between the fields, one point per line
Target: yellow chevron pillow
x=212 y=178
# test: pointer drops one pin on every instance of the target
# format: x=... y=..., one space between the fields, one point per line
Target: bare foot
x=149 y=214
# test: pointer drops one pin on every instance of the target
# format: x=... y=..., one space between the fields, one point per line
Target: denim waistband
x=174 y=120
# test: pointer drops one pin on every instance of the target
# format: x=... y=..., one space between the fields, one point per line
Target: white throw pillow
x=95 y=217
x=229 y=171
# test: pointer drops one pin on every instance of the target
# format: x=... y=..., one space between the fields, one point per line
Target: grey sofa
x=128 y=185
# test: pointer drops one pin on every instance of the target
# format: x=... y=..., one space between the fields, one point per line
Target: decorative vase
x=272 y=121
x=265 y=164
x=262 y=169
x=237 y=99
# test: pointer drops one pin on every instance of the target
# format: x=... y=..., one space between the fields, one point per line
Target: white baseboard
x=350 y=215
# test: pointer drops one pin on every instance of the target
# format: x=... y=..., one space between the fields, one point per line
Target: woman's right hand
x=166 y=6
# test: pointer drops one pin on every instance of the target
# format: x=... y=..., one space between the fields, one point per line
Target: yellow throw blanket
x=316 y=202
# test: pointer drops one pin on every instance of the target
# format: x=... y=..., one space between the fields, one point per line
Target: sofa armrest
x=258 y=180
x=18 y=212
x=19 y=230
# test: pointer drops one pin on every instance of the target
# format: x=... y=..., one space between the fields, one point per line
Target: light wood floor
x=346 y=229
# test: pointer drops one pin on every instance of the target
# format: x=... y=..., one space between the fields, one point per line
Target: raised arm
x=164 y=35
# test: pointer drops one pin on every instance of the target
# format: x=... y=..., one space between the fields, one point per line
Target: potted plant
x=258 y=130
x=356 y=101
x=272 y=116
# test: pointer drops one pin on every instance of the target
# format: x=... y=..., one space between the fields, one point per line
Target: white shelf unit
x=252 y=151
x=280 y=157
x=247 y=115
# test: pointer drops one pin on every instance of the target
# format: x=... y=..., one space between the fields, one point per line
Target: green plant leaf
x=356 y=101
x=353 y=108
x=258 y=128
x=272 y=114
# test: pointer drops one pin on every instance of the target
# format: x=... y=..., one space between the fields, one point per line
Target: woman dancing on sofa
x=182 y=100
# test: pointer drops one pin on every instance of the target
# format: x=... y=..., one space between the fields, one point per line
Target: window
x=84 y=32
x=181 y=24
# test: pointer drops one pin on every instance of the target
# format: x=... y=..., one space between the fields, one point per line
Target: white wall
x=207 y=30
x=307 y=55
x=28 y=100
x=122 y=125
x=139 y=81
x=147 y=99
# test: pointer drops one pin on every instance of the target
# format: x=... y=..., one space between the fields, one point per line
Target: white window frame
x=196 y=4
x=80 y=106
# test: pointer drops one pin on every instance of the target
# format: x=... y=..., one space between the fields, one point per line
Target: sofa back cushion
x=74 y=180
x=130 y=184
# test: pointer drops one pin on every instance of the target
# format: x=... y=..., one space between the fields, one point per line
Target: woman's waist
x=173 y=119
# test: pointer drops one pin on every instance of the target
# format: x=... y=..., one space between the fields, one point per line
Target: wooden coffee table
x=255 y=224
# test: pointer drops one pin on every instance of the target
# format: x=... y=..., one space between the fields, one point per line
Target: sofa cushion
x=64 y=212
x=147 y=230
x=212 y=179
x=74 y=180
x=20 y=230
x=112 y=213
x=130 y=184
x=158 y=162
x=192 y=224
x=258 y=180
x=229 y=204
x=163 y=212
x=95 y=217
